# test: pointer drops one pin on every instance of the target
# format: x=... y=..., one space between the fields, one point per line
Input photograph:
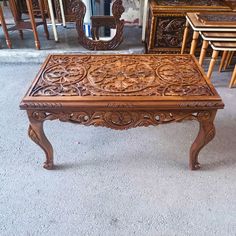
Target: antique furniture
x=117 y=10
x=233 y=80
x=219 y=46
x=21 y=24
x=121 y=92
x=50 y=5
x=68 y=10
x=215 y=36
x=101 y=21
x=198 y=26
x=166 y=22
x=4 y=28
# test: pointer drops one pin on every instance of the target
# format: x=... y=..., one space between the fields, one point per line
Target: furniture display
x=97 y=44
x=198 y=26
x=166 y=22
x=4 y=28
x=121 y=92
x=21 y=24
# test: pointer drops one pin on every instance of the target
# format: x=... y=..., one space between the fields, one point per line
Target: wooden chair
x=4 y=27
x=21 y=24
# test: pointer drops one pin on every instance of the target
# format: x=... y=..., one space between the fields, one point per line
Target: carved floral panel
x=112 y=75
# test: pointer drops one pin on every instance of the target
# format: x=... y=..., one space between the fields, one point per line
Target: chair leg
x=203 y=51
x=185 y=36
x=31 y=15
x=212 y=63
x=41 y=7
x=233 y=80
x=4 y=27
x=225 y=53
x=194 y=42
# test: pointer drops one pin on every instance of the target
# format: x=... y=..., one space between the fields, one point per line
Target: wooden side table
x=219 y=46
x=4 y=27
x=198 y=26
x=215 y=36
x=30 y=25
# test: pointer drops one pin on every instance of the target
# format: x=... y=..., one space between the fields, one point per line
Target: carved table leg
x=205 y=135
x=36 y=133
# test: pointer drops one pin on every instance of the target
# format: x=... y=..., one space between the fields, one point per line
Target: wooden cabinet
x=166 y=21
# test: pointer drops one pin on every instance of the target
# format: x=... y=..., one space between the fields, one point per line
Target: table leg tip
x=48 y=166
x=195 y=166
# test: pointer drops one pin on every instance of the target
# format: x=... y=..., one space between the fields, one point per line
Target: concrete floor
x=107 y=182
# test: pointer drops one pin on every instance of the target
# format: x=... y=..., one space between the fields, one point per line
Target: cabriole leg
x=36 y=133
x=205 y=135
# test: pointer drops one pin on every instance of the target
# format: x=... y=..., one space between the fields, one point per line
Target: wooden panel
x=169 y=18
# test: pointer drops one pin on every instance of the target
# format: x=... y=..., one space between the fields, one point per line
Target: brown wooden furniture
x=101 y=21
x=217 y=47
x=220 y=36
x=117 y=11
x=233 y=79
x=21 y=24
x=166 y=22
x=198 y=26
x=121 y=92
x=68 y=9
x=4 y=28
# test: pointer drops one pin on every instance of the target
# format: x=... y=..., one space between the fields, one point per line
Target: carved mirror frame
x=79 y=10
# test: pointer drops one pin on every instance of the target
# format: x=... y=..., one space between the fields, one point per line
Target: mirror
x=99 y=23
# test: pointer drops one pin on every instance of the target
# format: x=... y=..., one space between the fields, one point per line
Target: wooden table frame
x=4 y=27
x=222 y=37
x=32 y=25
x=121 y=110
x=197 y=29
x=215 y=53
x=54 y=27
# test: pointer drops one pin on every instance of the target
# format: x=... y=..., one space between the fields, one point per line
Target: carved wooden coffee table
x=121 y=92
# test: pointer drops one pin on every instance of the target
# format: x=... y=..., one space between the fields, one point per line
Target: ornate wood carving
x=129 y=91
x=121 y=76
x=168 y=20
x=190 y=3
x=68 y=8
x=79 y=9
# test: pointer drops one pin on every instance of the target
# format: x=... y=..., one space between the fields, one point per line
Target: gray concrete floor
x=107 y=182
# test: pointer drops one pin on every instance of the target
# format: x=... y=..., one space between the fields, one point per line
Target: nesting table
x=198 y=26
x=121 y=92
